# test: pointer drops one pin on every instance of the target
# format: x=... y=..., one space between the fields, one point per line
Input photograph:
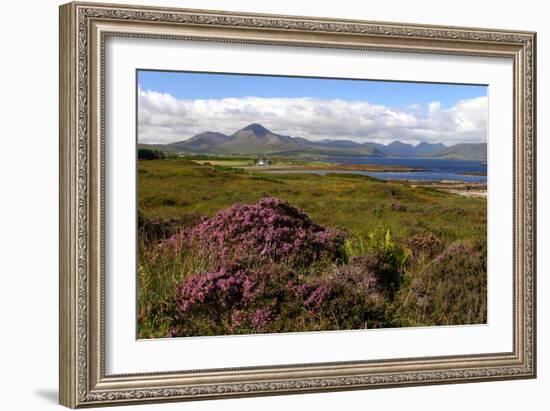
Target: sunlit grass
x=366 y=209
x=171 y=188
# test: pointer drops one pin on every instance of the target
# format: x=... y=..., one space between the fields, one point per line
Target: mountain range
x=255 y=139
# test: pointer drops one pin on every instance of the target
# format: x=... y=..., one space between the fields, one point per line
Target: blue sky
x=187 y=85
x=175 y=106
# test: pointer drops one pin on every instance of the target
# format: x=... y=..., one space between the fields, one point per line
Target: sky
x=174 y=106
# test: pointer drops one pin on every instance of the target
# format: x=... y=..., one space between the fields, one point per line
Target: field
x=379 y=254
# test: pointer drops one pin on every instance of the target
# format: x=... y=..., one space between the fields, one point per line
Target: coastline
x=465 y=189
x=282 y=166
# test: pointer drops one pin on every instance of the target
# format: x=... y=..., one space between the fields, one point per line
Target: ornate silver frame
x=83 y=30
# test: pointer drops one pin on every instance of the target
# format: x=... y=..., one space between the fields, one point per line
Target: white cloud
x=164 y=119
x=434 y=107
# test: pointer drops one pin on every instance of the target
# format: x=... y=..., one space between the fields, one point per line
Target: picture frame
x=85 y=29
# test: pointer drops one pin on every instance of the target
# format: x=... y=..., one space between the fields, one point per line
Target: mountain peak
x=397 y=143
x=208 y=134
x=257 y=129
x=426 y=144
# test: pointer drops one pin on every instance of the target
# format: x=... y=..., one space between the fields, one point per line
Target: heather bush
x=231 y=299
x=423 y=246
x=218 y=265
x=274 y=270
x=381 y=256
x=234 y=300
x=451 y=289
x=270 y=230
x=354 y=296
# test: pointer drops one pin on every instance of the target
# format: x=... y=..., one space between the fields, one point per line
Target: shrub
x=424 y=245
x=231 y=299
x=269 y=231
x=150 y=232
x=353 y=297
x=381 y=257
x=235 y=300
x=149 y=154
x=451 y=289
x=271 y=296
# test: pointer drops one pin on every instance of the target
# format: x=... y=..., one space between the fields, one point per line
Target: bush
x=150 y=232
x=450 y=290
x=424 y=246
x=381 y=256
x=269 y=231
x=357 y=297
x=231 y=300
x=236 y=300
x=274 y=270
x=149 y=154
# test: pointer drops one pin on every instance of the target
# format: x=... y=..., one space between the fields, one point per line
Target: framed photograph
x=259 y=204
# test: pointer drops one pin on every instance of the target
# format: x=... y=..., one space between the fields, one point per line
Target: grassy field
x=172 y=188
x=431 y=243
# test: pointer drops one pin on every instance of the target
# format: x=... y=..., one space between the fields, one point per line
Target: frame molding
x=84 y=27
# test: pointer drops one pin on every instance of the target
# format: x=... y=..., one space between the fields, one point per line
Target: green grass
x=172 y=188
x=368 y=210
x=231 y=163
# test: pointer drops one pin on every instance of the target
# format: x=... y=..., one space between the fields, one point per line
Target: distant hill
x=201 y=142
x=466 y=151
x=424 y=148
x=399 y=149
x=256 y=139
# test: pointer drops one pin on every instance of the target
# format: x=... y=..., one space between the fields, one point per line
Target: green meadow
x=172 y=188
x=429 y=245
